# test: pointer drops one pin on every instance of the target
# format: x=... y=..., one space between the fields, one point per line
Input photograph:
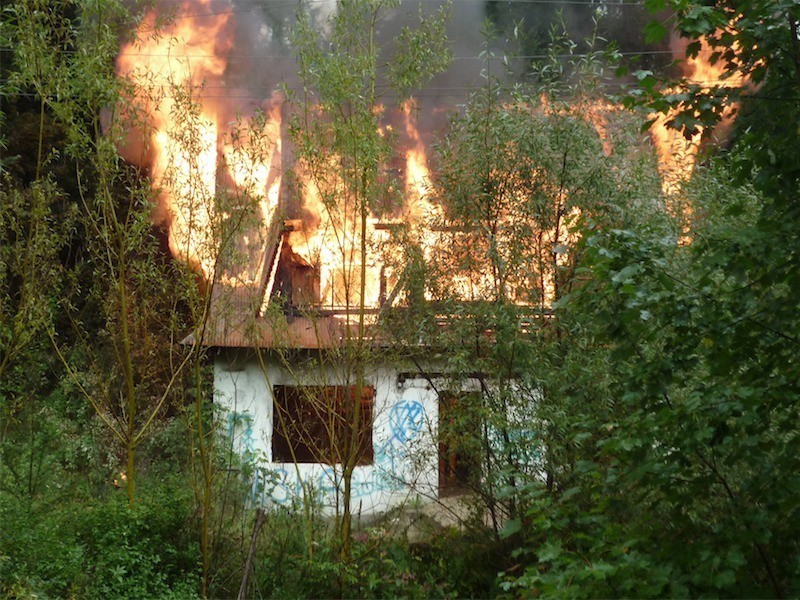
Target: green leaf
x=550 y=551
x=654 y=32
x=510 y=528
x=654 y=6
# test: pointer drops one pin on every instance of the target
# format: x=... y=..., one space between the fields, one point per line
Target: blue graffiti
x=287 y=487
x=327 y=482
x=386 y=455
x=391 y=462
x=391 y=470
x=240 y=431
x=406 y=420
x=263 y=485
x=364 y=485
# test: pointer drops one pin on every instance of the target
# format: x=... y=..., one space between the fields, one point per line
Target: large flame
x=417 y=173
x=253 y=156
x=677 y=151
x=340 y=242
x=199 y=150
x=420 y=211
x=342 y=247
x=596 y=112
x=169 y=67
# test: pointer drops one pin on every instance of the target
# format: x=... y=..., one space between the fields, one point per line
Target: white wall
x=404 y=436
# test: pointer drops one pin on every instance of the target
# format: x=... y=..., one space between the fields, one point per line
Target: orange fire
x=198 y=154
x=186 y=146
x=420 y=211
x=168 y=68
x=253 y=157
x=597 y=114
x=417 y=175
x=677 y=153
x=333 y=241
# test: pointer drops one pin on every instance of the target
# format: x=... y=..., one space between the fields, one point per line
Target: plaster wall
x=405 y=418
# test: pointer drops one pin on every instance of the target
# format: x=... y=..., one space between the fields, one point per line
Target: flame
x=332 y=238
x=676 y=152
x=196 y=154
x=504 y=252
x=596 y=112
x=253 y=160
x=334 y=243
x=417 y=175
x=421 y=212
x=168 y=68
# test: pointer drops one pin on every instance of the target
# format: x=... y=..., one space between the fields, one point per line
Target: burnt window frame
x=302 y=423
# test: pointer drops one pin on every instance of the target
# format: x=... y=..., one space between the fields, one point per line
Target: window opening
x=459 y=442
x=314 y=424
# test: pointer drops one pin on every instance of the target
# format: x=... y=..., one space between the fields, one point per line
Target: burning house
x=302 y=276
x=310 y=385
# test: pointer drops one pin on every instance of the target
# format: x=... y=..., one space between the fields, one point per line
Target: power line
x=430 y=92
x=234 y=57
x=200 y=87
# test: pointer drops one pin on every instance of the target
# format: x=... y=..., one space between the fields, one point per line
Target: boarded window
x=322 y=424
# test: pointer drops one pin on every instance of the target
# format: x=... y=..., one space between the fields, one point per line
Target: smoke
x=262 y=59
x=259 y=60
x=217 y=63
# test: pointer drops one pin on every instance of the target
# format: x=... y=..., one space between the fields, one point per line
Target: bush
x=452 y=564
x=147 y=551
x=40 y=552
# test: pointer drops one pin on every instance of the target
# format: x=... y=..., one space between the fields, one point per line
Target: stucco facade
x=404 y=464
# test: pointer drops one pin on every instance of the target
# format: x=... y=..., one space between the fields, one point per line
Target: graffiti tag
x=406 y=420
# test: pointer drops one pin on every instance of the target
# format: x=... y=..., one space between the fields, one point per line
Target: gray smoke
x=262 y=61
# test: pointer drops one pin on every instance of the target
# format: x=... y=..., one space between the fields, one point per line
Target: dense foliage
x=674 y=416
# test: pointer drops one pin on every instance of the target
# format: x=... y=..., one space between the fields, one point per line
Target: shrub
x=149 y=550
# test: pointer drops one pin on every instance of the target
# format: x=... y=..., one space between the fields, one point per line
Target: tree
x=126 y=305
x=342 y=157
x=678 y=452
x=528 y=171
x=123 y=250
x=30 y=280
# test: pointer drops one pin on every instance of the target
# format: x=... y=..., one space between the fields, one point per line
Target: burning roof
x=270 y=245
x=256 y=238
